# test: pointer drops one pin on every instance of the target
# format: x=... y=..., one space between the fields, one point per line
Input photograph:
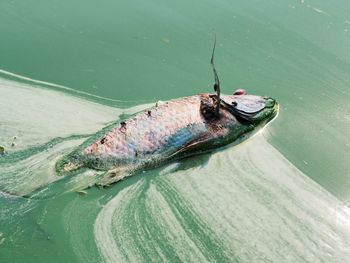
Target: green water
x=280 y=197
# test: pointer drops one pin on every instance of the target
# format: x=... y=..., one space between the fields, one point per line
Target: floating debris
x=2 y=150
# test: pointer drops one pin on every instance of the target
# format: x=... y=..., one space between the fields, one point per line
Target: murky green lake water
x=69 y=69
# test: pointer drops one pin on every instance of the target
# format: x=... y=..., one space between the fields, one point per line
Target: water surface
x=281 y=196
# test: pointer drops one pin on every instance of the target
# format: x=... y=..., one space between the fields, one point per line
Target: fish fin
x=204 y=144
x=113 y=176
x=193 y=145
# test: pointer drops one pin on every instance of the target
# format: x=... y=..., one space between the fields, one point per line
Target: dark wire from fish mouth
x=217 y=81
x=219 y=102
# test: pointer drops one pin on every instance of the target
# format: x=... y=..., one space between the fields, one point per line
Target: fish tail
x=69 y=163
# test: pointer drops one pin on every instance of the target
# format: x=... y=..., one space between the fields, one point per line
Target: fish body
x=175 y=129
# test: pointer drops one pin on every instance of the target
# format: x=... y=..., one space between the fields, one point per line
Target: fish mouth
x=268 y=113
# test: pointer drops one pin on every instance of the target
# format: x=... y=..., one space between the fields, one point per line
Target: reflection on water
x=245 y=203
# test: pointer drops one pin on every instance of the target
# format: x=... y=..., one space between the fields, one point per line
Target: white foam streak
x=52 y=85
x=36 y=116
x=262 y=201
x=172 y=230
x=104 y=226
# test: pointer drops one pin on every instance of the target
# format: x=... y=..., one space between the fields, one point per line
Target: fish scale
x=149 y=131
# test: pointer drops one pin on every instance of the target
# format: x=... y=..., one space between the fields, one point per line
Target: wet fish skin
x=157 y=133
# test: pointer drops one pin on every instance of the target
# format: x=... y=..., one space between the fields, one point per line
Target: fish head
x=257 y=110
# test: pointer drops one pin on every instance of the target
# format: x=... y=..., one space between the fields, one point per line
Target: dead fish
x=170 y=131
